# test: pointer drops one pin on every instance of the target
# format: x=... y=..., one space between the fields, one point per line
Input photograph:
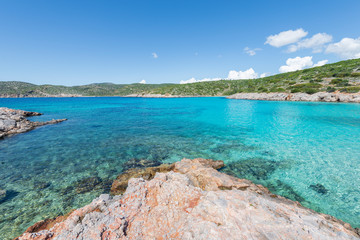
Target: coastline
x=278 y=96
x=190 y=199
x=300 y=97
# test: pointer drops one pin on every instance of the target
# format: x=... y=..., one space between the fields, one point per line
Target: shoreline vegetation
x=190 y=199
x=341 y=78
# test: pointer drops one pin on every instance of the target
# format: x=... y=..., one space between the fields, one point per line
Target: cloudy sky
x=77 y=42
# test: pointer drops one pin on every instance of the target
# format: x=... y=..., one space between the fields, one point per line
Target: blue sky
x=78 y=42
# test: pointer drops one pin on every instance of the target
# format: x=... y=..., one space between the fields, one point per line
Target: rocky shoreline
x=190 y=199
x=150 y=95
x=15 y=121
x=316 y=97
x=62 y=95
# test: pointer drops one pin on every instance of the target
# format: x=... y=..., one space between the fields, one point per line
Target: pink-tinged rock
x=194 y=201
x=316 y=97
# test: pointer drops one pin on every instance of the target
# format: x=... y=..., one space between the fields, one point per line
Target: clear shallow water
x=308 y=152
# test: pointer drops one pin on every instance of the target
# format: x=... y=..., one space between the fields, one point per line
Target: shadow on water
x=10 y=194
x=254 y=169
x=260 y=171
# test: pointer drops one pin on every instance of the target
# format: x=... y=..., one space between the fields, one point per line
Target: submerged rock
x=87 y=184
x=121 y=182
x=319 y=188
x=140 y=163
x=192 y=201
x=253 y=168
x=285 y=190
x=41 y=185
x=14 y=121
x=2 y=194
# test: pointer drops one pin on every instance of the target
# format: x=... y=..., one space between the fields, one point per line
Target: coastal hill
x=342 y=76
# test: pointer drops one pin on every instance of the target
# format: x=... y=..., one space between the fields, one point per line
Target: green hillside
x=342 y=76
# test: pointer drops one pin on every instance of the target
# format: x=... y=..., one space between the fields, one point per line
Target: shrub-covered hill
x=22 y=89
x=342 y=76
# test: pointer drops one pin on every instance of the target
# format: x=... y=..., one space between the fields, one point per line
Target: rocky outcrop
x=14 y=121
x=316 y=97
x=192 y=200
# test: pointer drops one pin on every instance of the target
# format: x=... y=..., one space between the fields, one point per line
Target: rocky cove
x=190 y=199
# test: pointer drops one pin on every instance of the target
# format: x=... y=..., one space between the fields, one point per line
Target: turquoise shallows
x=308 y=152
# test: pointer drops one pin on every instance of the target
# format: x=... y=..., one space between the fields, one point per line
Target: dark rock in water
x=87 y=184
x=140 y=163
x=259 y=170
x=66 y=190
x=319 y=188
x=253 y=168
x=285 y=190
x=41 y=185
x=217 y=149
x=233 y=146
x=2 y=194
x=6 y=195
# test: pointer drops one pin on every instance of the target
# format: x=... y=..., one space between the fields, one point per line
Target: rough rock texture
x=193 y=201
x=316 y=97
x=14 y=121
x=121 y=182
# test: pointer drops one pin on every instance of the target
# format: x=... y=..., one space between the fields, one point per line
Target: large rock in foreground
x=14 y=121
x=192 y=201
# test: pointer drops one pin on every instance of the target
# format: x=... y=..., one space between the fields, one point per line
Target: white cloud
x=316 y=42
x=251 y=52
x=263 y=75
x=299 y=63
x=154 y=55
x=321 y=63
x=143 y=81
x=347 y=48
x=193 y=80
x=247 y=74
x=286 y=37
x=233 y=75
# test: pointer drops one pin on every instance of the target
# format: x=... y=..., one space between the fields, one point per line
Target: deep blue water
x=308 y=152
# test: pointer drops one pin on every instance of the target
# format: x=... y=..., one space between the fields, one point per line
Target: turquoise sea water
x=308 y=152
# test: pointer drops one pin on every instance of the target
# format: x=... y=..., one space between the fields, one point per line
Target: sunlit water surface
x=308 y=152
